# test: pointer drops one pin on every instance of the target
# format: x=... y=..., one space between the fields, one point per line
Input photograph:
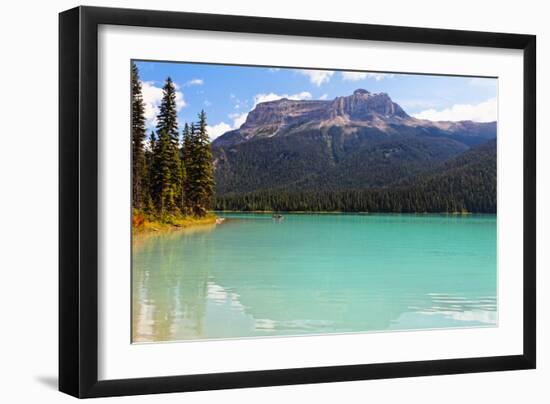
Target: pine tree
x=162 y=190
x=152 y=140
x=148 y=205
x=181 y=189
x=167 y=116
x=189 y=149
x=138 y=138
x=170 y=165
x=186 y=156
x=187 y=141
x=200 y=172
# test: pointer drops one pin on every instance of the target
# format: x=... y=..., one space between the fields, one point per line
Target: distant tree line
x=411 y=200
x=171 y=175
x=464 y=184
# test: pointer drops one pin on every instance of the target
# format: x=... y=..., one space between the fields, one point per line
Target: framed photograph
x=250 y=202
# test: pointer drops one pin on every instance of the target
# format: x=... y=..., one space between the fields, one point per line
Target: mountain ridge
x=361 y=109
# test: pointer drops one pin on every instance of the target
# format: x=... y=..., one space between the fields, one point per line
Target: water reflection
x=169 y=294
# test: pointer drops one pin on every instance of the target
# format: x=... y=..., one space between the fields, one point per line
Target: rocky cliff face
x=364 y=106
x=278 y=112
x=361 y=106
x=362 y=109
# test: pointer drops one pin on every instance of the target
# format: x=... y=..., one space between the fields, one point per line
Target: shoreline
x=215 y=218
x=339 y=212
x=183 y=223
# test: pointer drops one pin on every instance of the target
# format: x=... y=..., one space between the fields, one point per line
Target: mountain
x=356 y=142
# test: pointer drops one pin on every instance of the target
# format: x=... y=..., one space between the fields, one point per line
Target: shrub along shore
x=142 y=223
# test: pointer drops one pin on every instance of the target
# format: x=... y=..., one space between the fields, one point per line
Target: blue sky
x=228 y=93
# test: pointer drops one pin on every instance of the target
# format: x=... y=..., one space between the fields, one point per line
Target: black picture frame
x=78 y=201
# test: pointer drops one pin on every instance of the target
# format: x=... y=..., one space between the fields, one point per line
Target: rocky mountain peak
x=363 y=105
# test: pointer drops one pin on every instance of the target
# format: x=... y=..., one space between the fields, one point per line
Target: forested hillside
x=465 y=183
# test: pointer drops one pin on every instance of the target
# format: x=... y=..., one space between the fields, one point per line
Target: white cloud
x=217 y=130
x=152 y=97
x=194 y=82
x=317 y=77
x=220 y=128
x=380 y=76
x=180 y=101
x=483 y=112
x=238 y=119
x=262 y=97
x=356 y=76
x=274 y=69
x=324 y=97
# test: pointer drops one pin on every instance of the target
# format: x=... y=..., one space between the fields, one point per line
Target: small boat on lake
x=277 y=217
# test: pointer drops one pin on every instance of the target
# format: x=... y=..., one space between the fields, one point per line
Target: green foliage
x=173 y=180
x=162 y=191
x=170 y=164
x=138 y=137
x=199 y=186
x=466 y=183
x=167 y=116
x=187 y=157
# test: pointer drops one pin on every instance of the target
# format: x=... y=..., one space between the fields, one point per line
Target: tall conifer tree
x=186 y=157
x=169 y=166
x=138 y=138
x=167 y=116
x=148 y=205
x=162 y=189
x=200 y=172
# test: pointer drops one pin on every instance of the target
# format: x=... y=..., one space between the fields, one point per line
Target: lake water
x=255 y=276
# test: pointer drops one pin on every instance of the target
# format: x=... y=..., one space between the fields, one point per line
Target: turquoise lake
x=255 y=276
